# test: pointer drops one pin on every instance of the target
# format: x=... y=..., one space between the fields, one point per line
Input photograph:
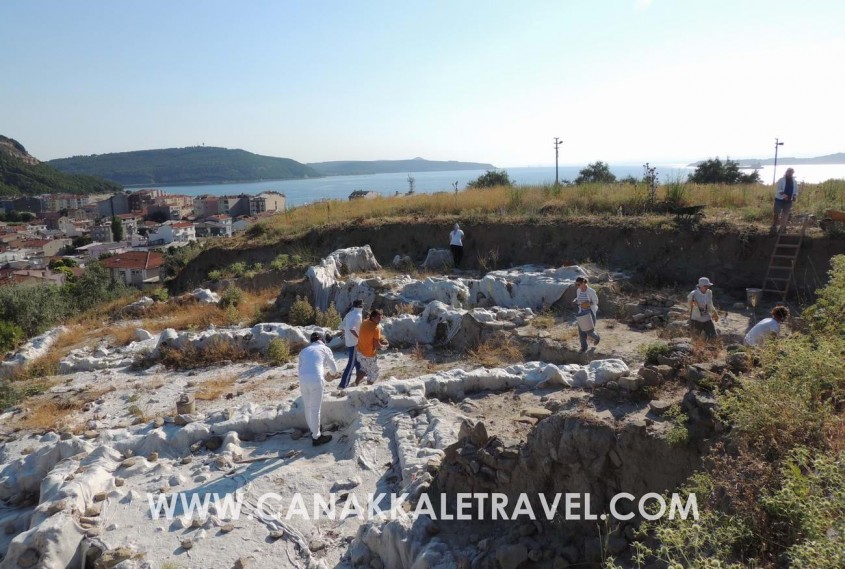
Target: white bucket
x=585 y=322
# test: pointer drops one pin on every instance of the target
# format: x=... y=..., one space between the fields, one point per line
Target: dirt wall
x=659 y=255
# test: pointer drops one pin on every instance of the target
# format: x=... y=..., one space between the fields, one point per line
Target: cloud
x=641 y=5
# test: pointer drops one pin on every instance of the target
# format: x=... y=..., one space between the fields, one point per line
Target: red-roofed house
x=136 y=268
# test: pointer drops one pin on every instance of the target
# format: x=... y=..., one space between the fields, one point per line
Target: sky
x=494 y=81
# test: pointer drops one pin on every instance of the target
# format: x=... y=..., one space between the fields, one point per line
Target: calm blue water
x=300 y=192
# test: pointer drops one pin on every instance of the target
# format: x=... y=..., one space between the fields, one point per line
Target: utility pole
x=558 y=142
x=775 y=173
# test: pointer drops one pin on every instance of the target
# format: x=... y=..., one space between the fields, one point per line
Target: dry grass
x=215 y=352
x=46 y=415
x=212 y=389
x=54 y=411
x=498 y=351
x=200 y=316
x=122 y=335
x=736 y=203
x=543 y=321
x=704 y=350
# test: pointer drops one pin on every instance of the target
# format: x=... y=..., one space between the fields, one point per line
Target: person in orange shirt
x=369 y=343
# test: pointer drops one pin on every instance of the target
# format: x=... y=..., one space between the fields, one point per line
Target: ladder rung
x=793 y=257
x=777 y=280
x=773 y=290
x=789 y=245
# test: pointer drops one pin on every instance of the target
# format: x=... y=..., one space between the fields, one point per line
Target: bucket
x=585 y=322
x=753 y=296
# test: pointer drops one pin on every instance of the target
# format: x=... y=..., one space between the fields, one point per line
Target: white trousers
x=312 y=398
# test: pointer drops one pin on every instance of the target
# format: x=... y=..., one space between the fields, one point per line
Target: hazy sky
x=487 y=80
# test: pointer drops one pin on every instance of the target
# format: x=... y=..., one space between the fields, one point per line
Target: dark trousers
x=707 y=329
x=457 y=254
x=353 y=361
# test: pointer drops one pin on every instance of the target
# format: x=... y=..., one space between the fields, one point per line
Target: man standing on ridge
x=369 y=343
x=456 y=244
x=314 y=360
x=786 y=191
x=351 y=326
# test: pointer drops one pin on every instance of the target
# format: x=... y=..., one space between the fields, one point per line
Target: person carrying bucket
x=588 y=305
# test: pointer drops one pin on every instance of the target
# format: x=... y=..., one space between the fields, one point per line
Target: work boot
x=321 y=440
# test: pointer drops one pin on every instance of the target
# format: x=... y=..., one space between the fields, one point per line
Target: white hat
x=704 y=281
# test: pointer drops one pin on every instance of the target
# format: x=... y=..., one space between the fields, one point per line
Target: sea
x=300 y=192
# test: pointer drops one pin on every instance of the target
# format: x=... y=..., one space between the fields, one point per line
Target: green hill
x=20 y=173
x=351 y=167
x=192 y=165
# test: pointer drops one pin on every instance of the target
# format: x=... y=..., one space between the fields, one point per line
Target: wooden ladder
x=781 y=271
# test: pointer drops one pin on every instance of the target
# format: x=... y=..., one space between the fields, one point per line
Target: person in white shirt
x=314 y=360
x=702 y=310
x=767 y=328
x=588 y=304
x=351 y=326
x=786 y=192
x=456 y=244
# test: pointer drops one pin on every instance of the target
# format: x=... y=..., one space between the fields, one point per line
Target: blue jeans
x=592 y=333
x=347 y=373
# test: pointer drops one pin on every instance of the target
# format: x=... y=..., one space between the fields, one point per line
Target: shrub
x=215 y=275
x=280 y=262
x=328 y=318
x=811 y=502
x=595 y=173
x=278 y=352
x=301 y=313
x=678 y=433
x=828 y=313
x=11 y=336
x=160 y=294
x=491 y=179
x=651 y=351
x=238 y=269
x=231 y=297
x=714 y=171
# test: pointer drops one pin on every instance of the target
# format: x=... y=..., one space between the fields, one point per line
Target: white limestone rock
x=205 y=295
x=528 y=286
x=438 y=259
x=32 y=350
x=448 y=291
x=325 y=276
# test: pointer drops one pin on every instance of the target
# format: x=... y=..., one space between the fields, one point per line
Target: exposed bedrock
x=733 y=258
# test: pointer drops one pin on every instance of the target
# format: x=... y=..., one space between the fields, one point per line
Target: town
x=50 y=238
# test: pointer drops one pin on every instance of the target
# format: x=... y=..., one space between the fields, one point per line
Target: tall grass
x=749 y=203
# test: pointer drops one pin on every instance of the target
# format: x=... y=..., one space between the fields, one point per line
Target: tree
x=595 y=173
x=117 y=229
x=714 y=171
x=491 y=179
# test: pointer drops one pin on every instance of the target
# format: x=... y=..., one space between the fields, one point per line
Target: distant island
x=838 y=158
x=191 y=165
x=213 y=165
x=361 y=167
x=22 y=174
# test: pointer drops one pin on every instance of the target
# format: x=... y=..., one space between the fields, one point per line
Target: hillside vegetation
x=356 y=167
x=191 y=165
x=20 y=173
